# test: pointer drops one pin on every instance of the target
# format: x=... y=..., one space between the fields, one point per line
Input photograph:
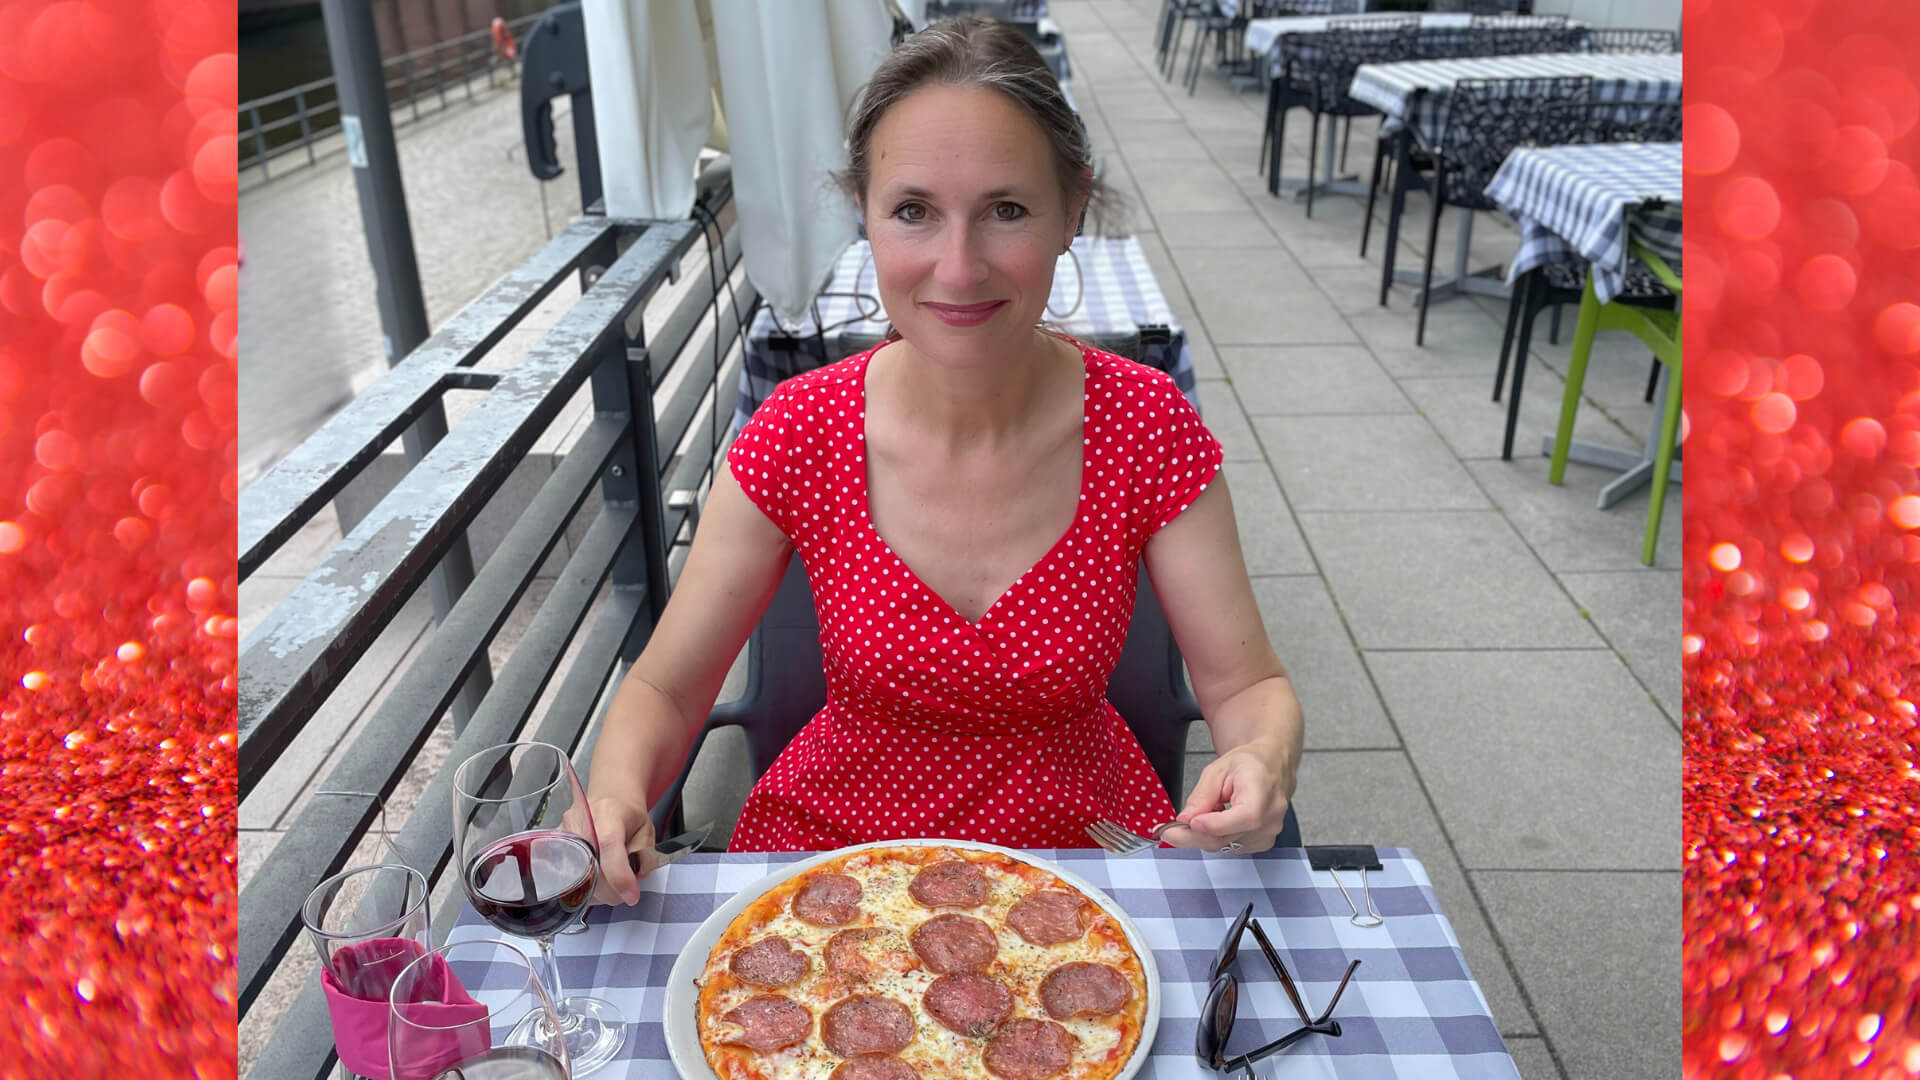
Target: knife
x=674 y=848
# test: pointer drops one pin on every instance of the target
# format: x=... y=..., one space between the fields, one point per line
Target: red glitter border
x=118 y=431
x=1802 y=305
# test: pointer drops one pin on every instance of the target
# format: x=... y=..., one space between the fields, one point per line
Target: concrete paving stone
x=1216 y=230
x=1599 y=955
x=1532 y=1058
x=1338 y=699
x=1588 y=767
x=1157 y=141
x=1300 y=380
x=1365 y=463
x=1269 y=540
x=1259 y=298
x=1461 y=340
x=1123 y=113
x=338 y=719
x=1197 y=190
x=1355 y=288
x=1223 y=417
x=255 y=846
x=1441 y=580
x=1638 y=611
x=1206 y=362
x=1473 y=424
x=1563 y=526
x=1374 y=797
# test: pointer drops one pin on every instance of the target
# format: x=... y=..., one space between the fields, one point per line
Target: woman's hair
x=977 y=51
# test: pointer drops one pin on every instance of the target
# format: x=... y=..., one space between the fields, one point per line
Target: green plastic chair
x=1660 y=330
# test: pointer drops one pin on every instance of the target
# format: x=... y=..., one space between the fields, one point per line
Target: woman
x=970 y=500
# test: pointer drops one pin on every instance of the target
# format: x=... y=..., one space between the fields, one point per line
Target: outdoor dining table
x=1263 y=39
x=1581 y=204
x=1414 y=96
x=1412 y=1011
x=1104 y=293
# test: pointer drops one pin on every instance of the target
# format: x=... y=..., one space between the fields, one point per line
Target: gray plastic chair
x=786 y=686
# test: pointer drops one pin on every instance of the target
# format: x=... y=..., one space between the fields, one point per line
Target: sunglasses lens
x=1216 y=1022
x=1223 y=957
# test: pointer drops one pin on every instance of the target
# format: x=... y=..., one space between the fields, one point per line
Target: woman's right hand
x=621 y=828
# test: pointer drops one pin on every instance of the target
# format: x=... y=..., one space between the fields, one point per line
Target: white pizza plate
x=682 y=997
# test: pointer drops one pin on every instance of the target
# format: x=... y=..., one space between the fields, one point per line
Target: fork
x=1123 y=841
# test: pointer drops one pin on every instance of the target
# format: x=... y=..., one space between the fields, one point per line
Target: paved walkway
x=1490 y=677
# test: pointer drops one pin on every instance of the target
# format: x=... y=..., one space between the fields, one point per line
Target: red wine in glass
x=531 y=884
x=508 y=1063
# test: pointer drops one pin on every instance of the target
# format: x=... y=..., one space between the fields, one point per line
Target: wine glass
x=525 y=841
x=368 y=923
x=462 y=1012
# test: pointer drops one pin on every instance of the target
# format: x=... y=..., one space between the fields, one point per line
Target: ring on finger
x=1232 y=846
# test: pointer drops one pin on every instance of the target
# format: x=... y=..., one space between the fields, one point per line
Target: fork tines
x=1117 y=839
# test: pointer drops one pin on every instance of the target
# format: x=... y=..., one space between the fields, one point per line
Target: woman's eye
x=911 y=212
x=1007 y=211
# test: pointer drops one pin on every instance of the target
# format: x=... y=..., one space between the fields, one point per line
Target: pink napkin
x=357 y=1004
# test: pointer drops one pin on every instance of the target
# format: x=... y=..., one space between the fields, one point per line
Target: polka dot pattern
x=996 y=730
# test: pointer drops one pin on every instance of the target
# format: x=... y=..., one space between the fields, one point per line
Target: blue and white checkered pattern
x=1412 y=1012
x=1263 y=35
x=1110 y=275
x=1424 y=87
x=1583 y=200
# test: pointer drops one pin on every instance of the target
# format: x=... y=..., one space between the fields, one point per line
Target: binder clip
x=1334 y=858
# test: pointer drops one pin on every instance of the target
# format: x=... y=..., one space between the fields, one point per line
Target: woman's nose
x=960 y=265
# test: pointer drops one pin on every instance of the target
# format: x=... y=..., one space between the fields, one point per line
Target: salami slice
x=771 y=962
x=874 y=1067
x=968 y=1003
x=828 y=900
x=1029 y=1050
x=1049 y=917
x=847 y=952
x=866 y=1024
x=1079 y=988
x=949 y=943
x=771 y=1022
x=950 y=883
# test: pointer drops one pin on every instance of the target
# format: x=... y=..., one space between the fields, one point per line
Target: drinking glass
x=464 y=1011
x=529 y=869
x=368 y=922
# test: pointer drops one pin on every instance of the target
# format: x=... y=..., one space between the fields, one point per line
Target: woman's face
x=966 y=216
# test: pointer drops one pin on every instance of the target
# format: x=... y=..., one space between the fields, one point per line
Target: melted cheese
x=935 y=1052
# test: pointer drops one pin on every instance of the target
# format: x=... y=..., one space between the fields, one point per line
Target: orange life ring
x=503 y=42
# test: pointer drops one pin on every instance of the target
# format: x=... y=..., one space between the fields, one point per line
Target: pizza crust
x=1103 y=1044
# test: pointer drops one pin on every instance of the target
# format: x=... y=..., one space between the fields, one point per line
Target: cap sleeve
x=762 y=458
x=1178 y=460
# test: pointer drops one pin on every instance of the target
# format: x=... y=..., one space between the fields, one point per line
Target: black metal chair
x=1174 y=16
x=1525 y=35
x=1316 y=74
x=1477 y=7
x=786 y=686
x=1628 y=40
x=1555 y=283
x=1486 y=119
x=1226 y=32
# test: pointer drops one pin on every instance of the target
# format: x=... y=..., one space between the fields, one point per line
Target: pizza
x=927 y=962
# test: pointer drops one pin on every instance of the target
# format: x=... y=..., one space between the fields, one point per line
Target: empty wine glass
x=525 y=841
x=368 y=923
x=465 y=1011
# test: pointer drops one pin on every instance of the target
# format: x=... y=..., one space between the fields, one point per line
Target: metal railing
x=649 y=434
x=435 y=76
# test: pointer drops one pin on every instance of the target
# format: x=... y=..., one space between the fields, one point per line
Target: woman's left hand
x=1241 y=799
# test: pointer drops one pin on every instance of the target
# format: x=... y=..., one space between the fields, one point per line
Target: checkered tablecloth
x=1422 y=87
x=1584 y=200
x=1412 y=1011
x=1121 y=306
x=1263 y=35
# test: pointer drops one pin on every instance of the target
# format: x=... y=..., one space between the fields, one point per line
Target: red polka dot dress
x=996 y=730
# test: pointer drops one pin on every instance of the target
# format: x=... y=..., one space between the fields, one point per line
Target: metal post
x=354 y=45
x=306 y=124
x=260 y=143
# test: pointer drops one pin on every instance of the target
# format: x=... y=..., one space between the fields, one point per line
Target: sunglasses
x=1223 y=1000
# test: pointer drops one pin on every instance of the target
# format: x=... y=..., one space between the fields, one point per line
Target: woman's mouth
x=964 y=314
